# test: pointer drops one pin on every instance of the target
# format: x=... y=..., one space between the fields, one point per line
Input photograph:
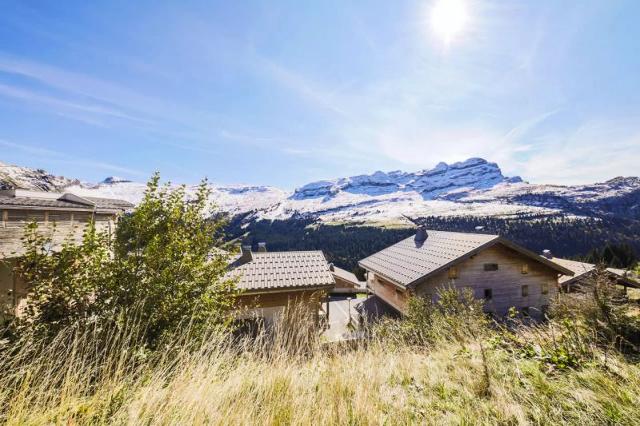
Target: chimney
x=331 y=267
x=246 y=255
x=547 y=253
x=421 y=235
x=262 y=247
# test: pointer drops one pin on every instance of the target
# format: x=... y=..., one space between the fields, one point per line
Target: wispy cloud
x=64 y=158
x=593 y=152
x=65 y=106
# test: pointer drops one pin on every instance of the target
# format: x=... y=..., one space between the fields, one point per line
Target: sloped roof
x=283 y=270
x=580 y=269
x=407 y=262
x=65 y=202
x=346 y=275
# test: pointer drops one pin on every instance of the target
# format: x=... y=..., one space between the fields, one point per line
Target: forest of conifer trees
x=612 y=241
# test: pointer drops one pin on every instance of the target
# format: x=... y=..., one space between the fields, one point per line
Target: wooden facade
x=62 y=217
x=61 y=225
x=271 y=304
x=501 y=276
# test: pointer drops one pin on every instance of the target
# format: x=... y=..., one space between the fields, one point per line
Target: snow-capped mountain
x=474 y=173
x=35 y=179
x=473 y=187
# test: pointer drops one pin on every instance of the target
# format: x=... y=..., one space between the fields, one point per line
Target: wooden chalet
x=61 y=215
x=498 y=271
x=271 y=281
x=584 y=275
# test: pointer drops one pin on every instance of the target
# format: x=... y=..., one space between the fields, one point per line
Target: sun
x=448 y=18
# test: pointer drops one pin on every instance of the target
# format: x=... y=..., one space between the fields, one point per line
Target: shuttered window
x=545 y=288
x=453 y=273
x=490 y=266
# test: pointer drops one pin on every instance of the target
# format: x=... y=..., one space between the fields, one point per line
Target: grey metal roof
x=347 y=276
x=282 y=270
x=407 y=261
x=110 y=203
x=580 y=269
x=105 y=204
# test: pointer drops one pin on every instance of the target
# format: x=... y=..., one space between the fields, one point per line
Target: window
x=490 y=266
x=525 y=290
x=488 y=294
x=545 y=288
x=453 y=273
x=524 y=268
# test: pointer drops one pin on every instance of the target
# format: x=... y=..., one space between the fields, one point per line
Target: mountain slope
x=473 y=187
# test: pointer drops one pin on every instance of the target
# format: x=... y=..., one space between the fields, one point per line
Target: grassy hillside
x=459 y=370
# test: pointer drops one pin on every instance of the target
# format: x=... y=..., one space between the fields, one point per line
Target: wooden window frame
x=490 y=267
x=524 y=268
x=453 y=273
x=544 y=288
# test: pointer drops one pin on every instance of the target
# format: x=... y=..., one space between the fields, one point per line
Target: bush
x=163 y=265
x=456 y=316
x=602 y=314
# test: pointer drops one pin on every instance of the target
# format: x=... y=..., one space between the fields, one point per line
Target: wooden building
x=347 y=284
x=61 y=215
x=584 y=275
x=272 y=281
x=496 y=270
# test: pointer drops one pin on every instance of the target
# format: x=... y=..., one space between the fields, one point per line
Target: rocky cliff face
x=473 y=187
x=33 y=179
x=474 y=173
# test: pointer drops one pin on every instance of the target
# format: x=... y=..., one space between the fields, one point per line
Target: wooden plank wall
x=67 y=225
x=387 y=291
x=506 y=283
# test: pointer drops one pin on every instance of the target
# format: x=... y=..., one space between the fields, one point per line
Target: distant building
x=69 y=213
x=346 y=282
x=496 y=270
x=585 y=273
x=271 y=281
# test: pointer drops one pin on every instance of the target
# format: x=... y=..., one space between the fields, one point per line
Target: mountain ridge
x=474 y=187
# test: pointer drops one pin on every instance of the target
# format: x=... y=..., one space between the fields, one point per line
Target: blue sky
x=287 y=92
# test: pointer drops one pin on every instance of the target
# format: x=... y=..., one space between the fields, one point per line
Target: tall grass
x=457 y=374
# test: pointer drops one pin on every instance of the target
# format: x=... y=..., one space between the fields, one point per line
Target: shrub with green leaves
x=163 y=266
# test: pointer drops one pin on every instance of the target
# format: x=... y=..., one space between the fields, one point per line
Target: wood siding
x=61 y=225
x=273 y=303
x=505 y=283
x=67 y=225
x=387 y=291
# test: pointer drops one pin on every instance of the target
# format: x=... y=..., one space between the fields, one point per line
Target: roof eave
x=541 y=259
x=264 y=290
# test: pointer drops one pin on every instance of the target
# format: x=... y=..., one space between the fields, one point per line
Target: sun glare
x=448 y=18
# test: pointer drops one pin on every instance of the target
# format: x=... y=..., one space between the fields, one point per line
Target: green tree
x=62 y=283
x=163 y=266
x=166 y=261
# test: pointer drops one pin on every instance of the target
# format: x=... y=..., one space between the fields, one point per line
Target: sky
x=287 y=92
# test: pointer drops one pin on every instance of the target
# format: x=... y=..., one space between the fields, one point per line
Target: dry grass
x=104 y=377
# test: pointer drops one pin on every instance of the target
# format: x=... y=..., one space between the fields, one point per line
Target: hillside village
x=499 y=272
x=158 y=277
